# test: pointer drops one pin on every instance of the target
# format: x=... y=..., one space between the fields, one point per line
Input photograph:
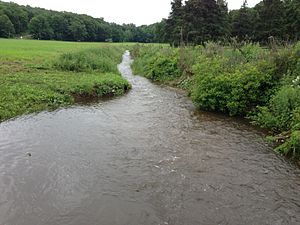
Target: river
x=146 y=158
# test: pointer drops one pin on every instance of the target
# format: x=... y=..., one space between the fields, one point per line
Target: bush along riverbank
x=32 y=81
x=261 y=84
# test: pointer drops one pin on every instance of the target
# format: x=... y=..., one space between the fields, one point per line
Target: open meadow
x=43 y=75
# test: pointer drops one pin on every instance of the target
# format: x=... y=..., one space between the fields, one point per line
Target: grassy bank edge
x=34 y=84
x=272 y=70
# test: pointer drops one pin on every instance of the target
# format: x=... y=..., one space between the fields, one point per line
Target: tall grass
x=57 y=74
x=95 y=59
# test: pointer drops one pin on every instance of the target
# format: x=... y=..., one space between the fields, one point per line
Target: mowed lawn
x=45 y=75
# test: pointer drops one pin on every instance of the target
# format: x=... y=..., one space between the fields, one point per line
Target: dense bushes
x=224 y=79
x=235 y=92
x=251 y=81
x=158 y=63
x=278 y=114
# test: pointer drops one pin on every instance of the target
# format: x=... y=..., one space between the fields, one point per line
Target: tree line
x=17 y=21
x=199 y=21
x=190 y=22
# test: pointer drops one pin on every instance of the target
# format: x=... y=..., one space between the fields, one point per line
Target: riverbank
x=146 y=158
x=246 y=81
x=45 y=75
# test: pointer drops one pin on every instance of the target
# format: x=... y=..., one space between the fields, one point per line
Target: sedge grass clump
x=102 y=60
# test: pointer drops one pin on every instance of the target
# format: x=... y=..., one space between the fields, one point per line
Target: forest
x=190 y=22
x=36 y=23
x=196 y=22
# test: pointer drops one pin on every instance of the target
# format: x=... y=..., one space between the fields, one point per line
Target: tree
x=91 y=28
x=223 y=19
x=59 y=25
x=78 y=30
x=6 y=27
x=270 y=23
x=174 y=24
x=102 y=30
x=116 y=33
x=160 y=34
x=243 y=22
x=130 y=33
x=17 y=16
x=206 y=20
x=40 y=28
x=292 y=8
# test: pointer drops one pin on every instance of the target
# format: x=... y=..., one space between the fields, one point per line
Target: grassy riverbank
x=45 y=75
x=249 y=81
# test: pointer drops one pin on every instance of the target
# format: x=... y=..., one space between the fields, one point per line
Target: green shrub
x=286 y=62
x=278 y=114
x=156 y=62
x=235 y=91
x=291 y=147
x=164 y=66
x=296 y=119
x=283 y=114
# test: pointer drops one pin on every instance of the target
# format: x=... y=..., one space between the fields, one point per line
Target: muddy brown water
x=147 y=158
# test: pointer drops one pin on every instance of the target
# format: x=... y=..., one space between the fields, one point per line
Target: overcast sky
x=138 y=12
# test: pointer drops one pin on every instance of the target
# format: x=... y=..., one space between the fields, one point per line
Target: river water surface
x=147 y=158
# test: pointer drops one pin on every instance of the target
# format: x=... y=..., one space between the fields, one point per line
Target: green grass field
x=45 y=75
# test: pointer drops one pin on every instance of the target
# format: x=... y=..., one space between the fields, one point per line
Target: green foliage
x=164 y=66
x=29 y=83
x=270 y=20
x=239 y=80
x=40 y=28
x=101 y=60
x=197 y=22
x=158 y=62
x=6 y=27
x=219 y=78
x=296 y=119
x=243 y=22
x=17 y=15
x=78 y=30
x=51 y=25
x=292 y=8
x=234 y=91
x=24 y=93
x=278 y=114
x=190 y=22
x=292 y=146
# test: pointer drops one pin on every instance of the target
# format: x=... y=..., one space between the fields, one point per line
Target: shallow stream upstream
x=147 y=158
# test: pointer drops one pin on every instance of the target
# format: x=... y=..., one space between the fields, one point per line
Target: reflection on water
x=144 y=158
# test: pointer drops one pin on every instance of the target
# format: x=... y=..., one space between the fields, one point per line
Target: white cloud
x=119 y=11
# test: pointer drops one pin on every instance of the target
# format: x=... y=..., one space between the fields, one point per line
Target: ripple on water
x=145 y=158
